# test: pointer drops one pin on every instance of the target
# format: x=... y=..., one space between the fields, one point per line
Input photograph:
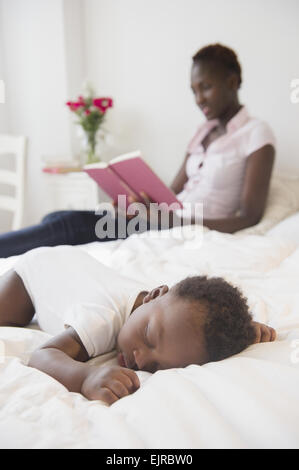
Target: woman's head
x=216 y=77
x=196 y=321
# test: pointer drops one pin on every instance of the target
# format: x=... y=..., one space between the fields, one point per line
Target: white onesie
x=68 y=286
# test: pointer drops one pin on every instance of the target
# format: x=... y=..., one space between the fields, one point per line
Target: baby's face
x=158 y=335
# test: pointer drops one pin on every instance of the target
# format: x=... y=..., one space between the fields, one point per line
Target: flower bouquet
x=90 y=112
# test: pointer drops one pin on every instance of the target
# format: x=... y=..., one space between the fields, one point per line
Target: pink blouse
x=216 y=176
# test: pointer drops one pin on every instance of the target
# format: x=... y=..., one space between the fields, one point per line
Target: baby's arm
x=64 y=358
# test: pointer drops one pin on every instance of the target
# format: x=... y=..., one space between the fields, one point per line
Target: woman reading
x=227 y=166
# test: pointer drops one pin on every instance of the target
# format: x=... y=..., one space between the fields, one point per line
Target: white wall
x=74 y=56
x=3 y=106
x=5 y=216
x=139 y=52
x=35 y=76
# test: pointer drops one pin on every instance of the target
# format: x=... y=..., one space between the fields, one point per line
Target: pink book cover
x=108 y=180
x=139 y=176
x=130 y=174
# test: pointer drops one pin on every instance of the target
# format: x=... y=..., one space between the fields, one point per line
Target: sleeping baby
x=89 y=309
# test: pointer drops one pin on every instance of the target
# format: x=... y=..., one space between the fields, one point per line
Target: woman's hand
x=146 y=202
x=263 y=332
x=109 y=383
x=121 y=210
x=150 y=212
x=133 y=199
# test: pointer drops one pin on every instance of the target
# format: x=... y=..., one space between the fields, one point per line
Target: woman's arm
x=254 y=195
x=253 y=198
x=181 y=177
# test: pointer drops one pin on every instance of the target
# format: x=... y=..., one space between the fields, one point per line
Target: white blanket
x=247 y=401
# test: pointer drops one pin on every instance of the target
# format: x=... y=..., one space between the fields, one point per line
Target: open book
x=129 y=175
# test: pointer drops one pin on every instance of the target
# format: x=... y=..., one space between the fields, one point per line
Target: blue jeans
x=57 y=228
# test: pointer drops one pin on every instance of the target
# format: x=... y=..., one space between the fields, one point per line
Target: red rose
x=74 y=105
x=103 y=104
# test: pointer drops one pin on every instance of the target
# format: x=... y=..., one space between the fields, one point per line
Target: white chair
x=15 y=146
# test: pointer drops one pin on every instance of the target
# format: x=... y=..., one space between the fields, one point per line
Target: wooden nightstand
x=74 y=190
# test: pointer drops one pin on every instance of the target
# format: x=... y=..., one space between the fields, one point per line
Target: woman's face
x=214 y=90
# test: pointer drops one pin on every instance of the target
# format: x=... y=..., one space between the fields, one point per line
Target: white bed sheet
x=247 y=401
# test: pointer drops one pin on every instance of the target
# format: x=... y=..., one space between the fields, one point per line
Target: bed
x=247 y=401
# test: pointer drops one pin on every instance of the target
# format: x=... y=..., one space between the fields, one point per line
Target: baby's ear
x=157 y=292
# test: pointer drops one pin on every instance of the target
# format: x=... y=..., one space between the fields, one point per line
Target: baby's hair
x=228 y=325
x=221 y=55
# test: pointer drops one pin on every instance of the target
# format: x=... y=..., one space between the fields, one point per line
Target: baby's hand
x=109 y=383
x=264 y=333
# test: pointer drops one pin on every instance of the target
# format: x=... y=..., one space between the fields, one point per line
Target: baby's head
x=198 y=320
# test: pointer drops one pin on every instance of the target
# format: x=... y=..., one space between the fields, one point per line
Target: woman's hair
x=222 y=56
x=228 y=325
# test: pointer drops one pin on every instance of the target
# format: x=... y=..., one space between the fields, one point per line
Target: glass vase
x=89 y=150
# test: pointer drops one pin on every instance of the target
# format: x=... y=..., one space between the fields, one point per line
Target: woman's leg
x=60 y=228
x=57 y=228
x=16 y=308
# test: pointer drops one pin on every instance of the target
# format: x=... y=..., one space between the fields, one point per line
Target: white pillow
x=287 y=230
x=283 y=201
